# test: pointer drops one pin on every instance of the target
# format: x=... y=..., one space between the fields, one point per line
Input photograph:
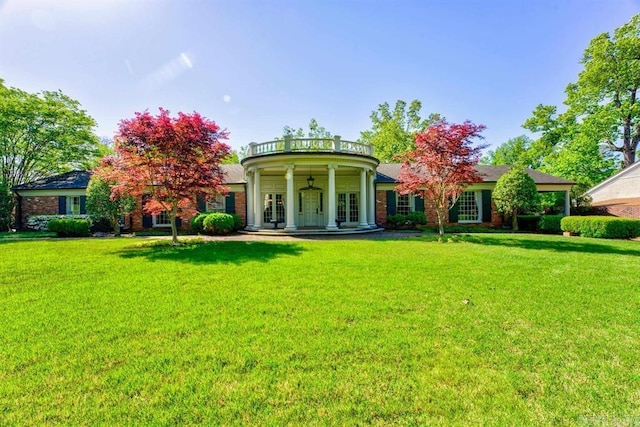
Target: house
x=302 y=184
x=620 y=194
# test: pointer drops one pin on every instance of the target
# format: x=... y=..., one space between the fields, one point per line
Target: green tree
x=6 y=206
x=393 y=131
x=102 y=203
x=513 y=152
x=315 y=131
x=43 y=134
x=516 y=192
x=232 y=158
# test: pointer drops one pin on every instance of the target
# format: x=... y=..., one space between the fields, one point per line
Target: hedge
x=70 y=227
x=550 y=223
x=606 y=227
x=218 y=223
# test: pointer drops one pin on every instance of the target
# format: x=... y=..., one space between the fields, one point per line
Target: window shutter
x=230 y=203
x=202 y=204
x=62 y=205
x=391 y=202
x=486 y=205
x=178 y=222
x=147 y=220
x=83 y=205
x=419 y=203
x=453 y=213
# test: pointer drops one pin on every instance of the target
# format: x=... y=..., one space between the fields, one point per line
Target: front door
x=311 y=207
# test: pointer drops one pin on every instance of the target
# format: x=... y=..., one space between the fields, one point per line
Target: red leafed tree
x=169 y=160
x=442 y=165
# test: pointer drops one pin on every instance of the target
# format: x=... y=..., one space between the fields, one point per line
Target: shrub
x=41 y=222
x=606 y=227
x=70 y=227
x=528 y=222
x=550 y=223
x=238 y=222
x=417 y=218
x=197 y=221
x=396 y=221
x=218 y=223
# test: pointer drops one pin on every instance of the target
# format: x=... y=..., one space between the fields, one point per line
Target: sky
x=254 y=66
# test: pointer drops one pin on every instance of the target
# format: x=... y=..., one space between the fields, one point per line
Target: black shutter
x=202 y=204
x=486 y=205
x=453 y=213
x=178 y=222
x=147 y=220
x=419 y=203
x=391 y=202
x=83 y=205
x=62 y=205
x=230 y=203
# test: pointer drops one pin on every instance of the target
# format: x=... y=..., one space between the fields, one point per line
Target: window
x=73 y=205
x=403 y=204
x=469 y=207
x=161 y=220
x=273 y=207
x=217 y=205
x=347 y=209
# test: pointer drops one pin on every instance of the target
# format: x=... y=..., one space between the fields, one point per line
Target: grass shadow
x=539 y=242
x=217 y=252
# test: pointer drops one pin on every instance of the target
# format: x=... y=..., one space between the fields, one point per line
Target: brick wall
x=624 y=211
x=241 y=205
x=38 y=205
x=381 y=207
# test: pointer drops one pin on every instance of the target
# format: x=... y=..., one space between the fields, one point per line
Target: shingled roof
x=388 y=172
x=65 y=181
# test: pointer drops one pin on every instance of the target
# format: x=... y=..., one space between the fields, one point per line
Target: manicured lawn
x=496 y=329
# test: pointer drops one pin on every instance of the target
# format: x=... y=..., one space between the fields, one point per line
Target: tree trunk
x=115 y=226
x=514 y=220
x=629 y=155
x=440 y=223
x=174 y=229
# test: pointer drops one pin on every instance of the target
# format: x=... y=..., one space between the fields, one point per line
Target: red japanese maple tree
x=442 y=165
x=169 y=161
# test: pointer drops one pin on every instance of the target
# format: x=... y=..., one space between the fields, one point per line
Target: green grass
x=27 y=234
x=491 y=329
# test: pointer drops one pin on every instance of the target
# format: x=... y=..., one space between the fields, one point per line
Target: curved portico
x=310 y=184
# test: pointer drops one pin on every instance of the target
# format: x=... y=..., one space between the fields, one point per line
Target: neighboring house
x=620 y=194
x=63 y=194
x=318 y=184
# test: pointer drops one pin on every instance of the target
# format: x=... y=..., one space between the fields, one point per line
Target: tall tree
x=43 y=134
x=393 y=132
x=6 y=206
x=515 y=193
x=315 y=131
x=102 y=201
x=442 y=165
x=171 y=160
x=513 y=152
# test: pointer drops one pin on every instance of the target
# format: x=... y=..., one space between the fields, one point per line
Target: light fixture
x=310 y=180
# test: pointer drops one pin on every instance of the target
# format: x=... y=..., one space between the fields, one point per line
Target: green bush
x=417 y=218
x=550 y=223
x=218 y=223
x=606 y=227
x=528 y=222
x=70 y=227
x=396 y=221
x=197 y=221
x=238 y=222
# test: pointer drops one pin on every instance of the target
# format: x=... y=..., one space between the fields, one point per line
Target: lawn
x=494 y=329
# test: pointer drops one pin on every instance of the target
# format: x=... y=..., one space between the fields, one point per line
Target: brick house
x=300 y=184
x=620 y=194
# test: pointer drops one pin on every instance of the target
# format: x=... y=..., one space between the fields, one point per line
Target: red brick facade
x=625 y=211
x=37 y=205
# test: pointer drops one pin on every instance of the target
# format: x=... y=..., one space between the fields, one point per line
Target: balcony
x=309 y=145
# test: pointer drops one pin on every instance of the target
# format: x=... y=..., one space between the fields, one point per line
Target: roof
x=234 y=172
x=65 y=181
x=635 y=201
x=630 y=170
x=388 y=172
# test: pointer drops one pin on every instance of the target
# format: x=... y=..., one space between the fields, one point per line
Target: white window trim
x=478 y=197
x=156 y=224
x=412 y=202
x=69 y=207
x=219 y=204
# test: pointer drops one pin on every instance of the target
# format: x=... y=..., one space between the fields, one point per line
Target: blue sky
x=256 y=66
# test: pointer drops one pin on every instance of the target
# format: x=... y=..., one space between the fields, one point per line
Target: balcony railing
x=307 y=145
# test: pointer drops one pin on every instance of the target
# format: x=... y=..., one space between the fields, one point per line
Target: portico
x=309 y=183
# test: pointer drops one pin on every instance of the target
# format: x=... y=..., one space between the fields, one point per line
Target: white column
x=257 y=200
x=291 y=224
x=567 y=202
x=372 y=200
x=331 y=206
x=250 y=197
x=363 y=199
